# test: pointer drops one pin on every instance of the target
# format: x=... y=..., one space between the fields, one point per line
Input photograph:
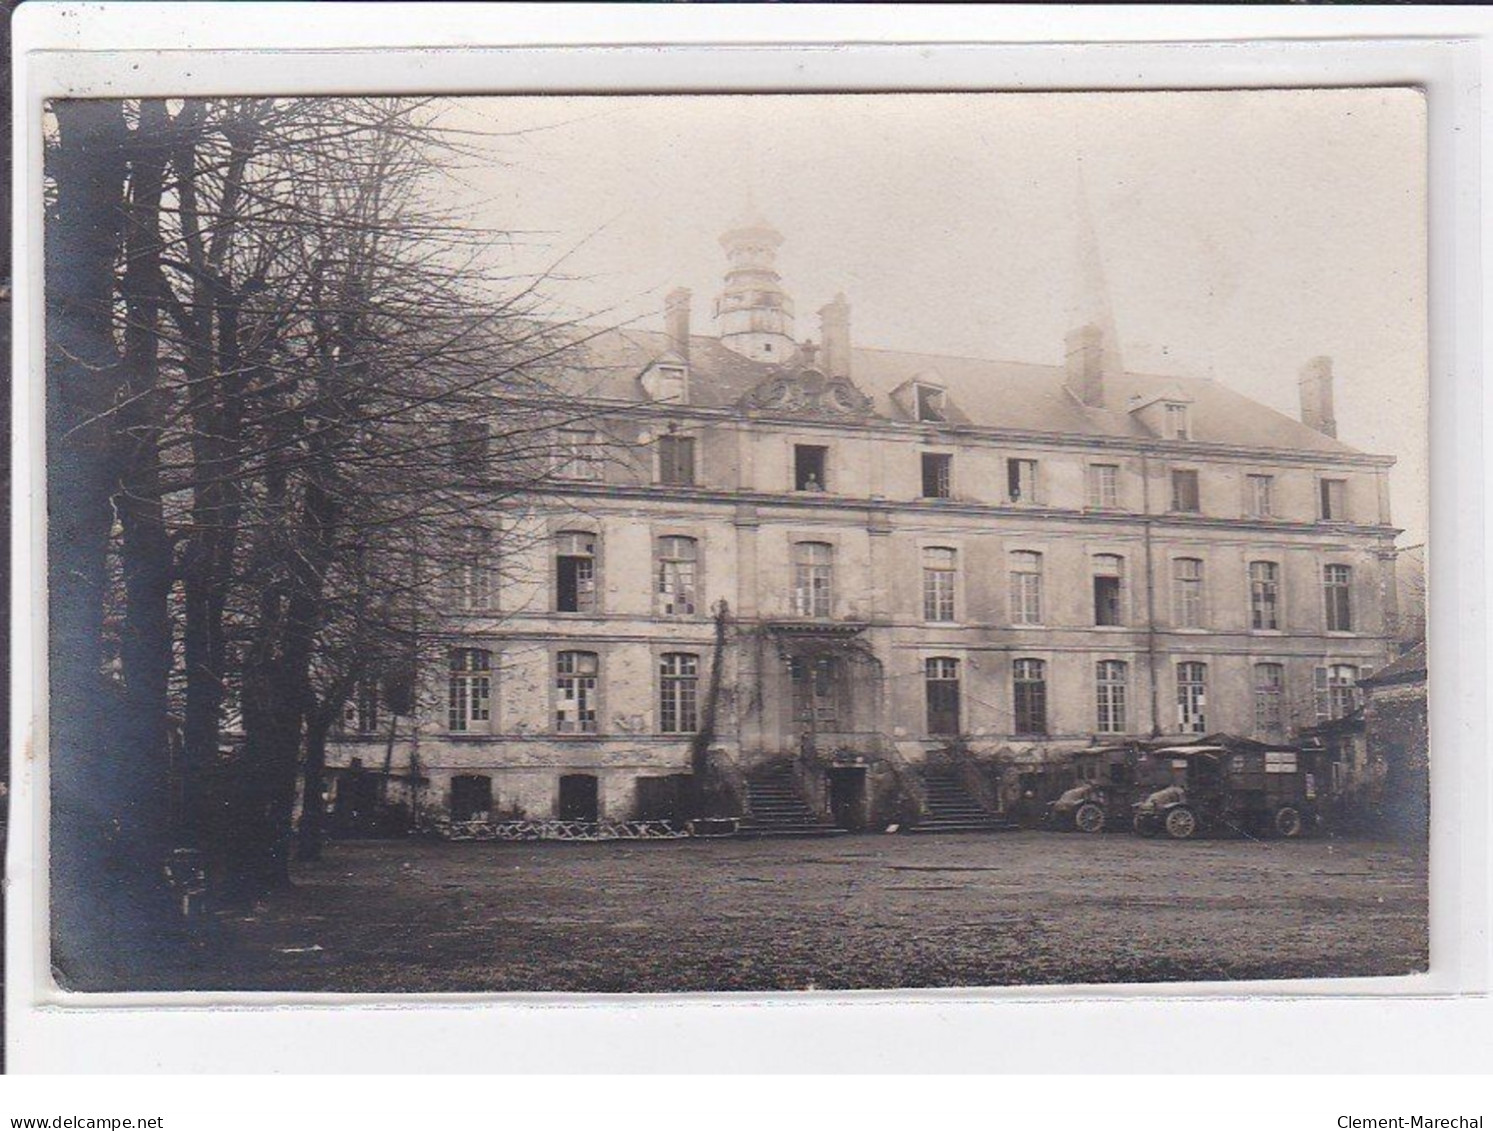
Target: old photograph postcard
x=637 y=544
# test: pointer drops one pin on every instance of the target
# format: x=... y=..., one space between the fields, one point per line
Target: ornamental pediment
x=808 y=392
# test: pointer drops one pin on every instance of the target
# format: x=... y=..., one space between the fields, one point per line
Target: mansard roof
x=1020 y=396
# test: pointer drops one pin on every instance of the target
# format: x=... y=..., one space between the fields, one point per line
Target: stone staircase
x=778 y=810
x=952 y=808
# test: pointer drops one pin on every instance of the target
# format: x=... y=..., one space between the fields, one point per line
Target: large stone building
x=839 y=563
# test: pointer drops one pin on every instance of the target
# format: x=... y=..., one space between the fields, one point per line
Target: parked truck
x=1105 y=790
x=1227 y=785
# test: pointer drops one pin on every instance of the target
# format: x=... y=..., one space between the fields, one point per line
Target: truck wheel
x=1145 y=826
x=1181 y=823
x=1089 y=818
x=1288 y=822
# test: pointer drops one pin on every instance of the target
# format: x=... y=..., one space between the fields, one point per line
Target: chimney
x=676 y=320
x=834 y=332
x=1086 y=364
x=1316 y=396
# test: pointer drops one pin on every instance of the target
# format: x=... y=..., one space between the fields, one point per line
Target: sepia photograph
x=736 y=543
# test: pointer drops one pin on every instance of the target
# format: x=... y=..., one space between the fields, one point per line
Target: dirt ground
x=852 y=912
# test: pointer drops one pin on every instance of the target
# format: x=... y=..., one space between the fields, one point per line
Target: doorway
x=847 y=797
x=578 y=797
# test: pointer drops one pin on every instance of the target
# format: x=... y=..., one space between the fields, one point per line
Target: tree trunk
x=313 y=778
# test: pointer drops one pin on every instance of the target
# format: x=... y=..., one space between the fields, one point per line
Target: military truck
x=1102 y=799
x=1226 y=785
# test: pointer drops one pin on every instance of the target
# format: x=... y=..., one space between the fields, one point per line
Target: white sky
x=1241 y=232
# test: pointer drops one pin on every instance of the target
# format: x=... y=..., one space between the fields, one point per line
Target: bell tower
x=753 y=312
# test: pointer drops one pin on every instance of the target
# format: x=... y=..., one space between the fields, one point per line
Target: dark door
x=578 y=797
x=847 y=797
x=356 y=803
x=471 y=797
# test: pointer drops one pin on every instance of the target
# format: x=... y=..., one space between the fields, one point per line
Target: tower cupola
x=753 y=313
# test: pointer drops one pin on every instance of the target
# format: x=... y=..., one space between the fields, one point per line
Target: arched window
x=678 y=693
x=1111 y=680
x=941 y=683
x=939 y=573
x=575 y=572
x=1270 y=691
x=813 y=579
x=1187 y=592
x=1026 y=587
x=576 y=675
x=469 y=690
x=678 y=561
x=1109 y=589
x=1029 y=696
x=1264 y=595
x=1192 y=697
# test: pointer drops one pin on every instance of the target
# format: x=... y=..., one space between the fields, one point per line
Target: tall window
x=809 y=467
x=813 y=579
x=577 y=455
x=939 y=573
x=473 y=570
x=1187 y=592
x=1192 y=697
x=1109 y=589
x=1185 y=497
x=1270 y=692
x=941 y=681
x=469 y=692
x=1111 y=678
x=1104 y=485
x=1259 y=496
x=1021 y=480
x=469 y=444
x=937 y=475
x=930 y=404
x=360 y=713
x=1026 y=587
x=1334 y=500
x=1337 y=587
x=677 y=564
x=1264 y=595
x=575 y=572
x=676 y=461
x=678 y=693
x=1336 y=691
x=575 y=692
x=1029 y=696
x=1178 y=427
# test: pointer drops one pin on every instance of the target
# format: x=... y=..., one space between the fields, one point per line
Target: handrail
x=908 y=779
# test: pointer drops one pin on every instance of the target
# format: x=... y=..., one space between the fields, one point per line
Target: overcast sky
x=1240 y=233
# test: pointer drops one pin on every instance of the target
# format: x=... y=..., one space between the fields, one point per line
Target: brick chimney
x=834 y=332
x=676 y=320
x=1086 y=364
x=1316 y=396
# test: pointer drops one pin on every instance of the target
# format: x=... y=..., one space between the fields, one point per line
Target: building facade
x=842 y=563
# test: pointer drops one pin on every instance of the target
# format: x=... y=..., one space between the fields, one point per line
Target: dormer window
x=930 y=404
x=1178 y=422
x=666 y=382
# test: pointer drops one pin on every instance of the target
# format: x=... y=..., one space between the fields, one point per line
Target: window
x=677 y=561
x=678 y=693
x=1178 y=426
x=1336 y=691
x=575 y=692
x=809 y=467
x=473 y=573
x=1270 y=691
x=360 y=713
x=575 y=572
x=1192 y=697
x=669 y=383
x=939 y=571
x=1337 y=586
x=1264 y=596
x=941 y=679
x=469 y=693
x=1109 y=588
x=1334 y=497
x=1259 y=496
x=1029 y=684
x=1026 y=587
x=577 y=455
x=676 y=461
x=1104 y=485
x=1187 y=592
x=816 y=691
x=469 y=444
x=930 y=404
x=813 y=579
x=937 y=475
x=1185 y=491
x=1110 y=680
x=1021 y=480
